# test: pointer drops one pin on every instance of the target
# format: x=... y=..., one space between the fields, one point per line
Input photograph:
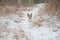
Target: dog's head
x=29 y=15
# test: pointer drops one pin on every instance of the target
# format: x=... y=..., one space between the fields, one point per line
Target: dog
x=29 y=16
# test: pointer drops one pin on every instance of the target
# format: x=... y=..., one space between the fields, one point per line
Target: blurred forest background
x=51 y=5
x=56 y=3
x=21 y=2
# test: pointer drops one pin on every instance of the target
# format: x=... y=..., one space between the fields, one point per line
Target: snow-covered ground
x=14 y=27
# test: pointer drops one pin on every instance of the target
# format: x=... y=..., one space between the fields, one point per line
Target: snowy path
x=13 y=27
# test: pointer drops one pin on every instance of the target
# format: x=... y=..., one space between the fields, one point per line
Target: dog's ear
x=31 y=14
x=28 y=15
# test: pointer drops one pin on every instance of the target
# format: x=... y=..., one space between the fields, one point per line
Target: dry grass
x=7 y=10
x=4 y=31
x=2 y=4
x=53 y=7
x=21 y=34
x=36 y=23
x=17 y=34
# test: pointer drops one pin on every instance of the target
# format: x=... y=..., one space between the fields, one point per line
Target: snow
x=19 y=28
